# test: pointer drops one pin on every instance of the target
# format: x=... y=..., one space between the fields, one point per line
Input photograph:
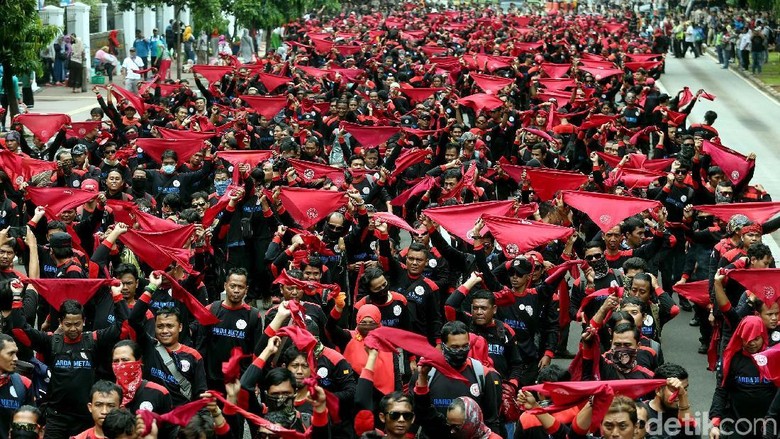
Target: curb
x=748 y=76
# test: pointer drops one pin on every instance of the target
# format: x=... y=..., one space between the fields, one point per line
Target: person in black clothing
x=167 y=180
x=667 y=408
x=70 y=356
x=620 y=362
x=15 y=389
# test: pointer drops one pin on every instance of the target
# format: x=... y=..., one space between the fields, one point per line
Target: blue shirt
x=141 y=47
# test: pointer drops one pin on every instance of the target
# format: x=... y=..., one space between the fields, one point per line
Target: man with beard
x=670 y=406
x=177 y=367
x=484 y=384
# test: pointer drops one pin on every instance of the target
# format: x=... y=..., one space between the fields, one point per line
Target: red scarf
x=128 y=377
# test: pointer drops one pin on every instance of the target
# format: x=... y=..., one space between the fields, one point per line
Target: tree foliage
x=22 y=41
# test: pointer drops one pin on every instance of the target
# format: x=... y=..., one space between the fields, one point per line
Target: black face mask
x=705 y=222
x=600 y=267
x=139 y=184
x=23 y=434
x=455 y=357
x=281 y=409
x=379 y=297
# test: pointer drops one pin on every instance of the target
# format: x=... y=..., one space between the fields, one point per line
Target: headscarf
x=749 y=328
x=473 y=426
x=187 y=33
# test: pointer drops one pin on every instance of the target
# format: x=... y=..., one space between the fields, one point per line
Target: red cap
x=90 y=185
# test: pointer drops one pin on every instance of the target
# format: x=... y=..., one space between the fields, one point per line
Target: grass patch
x=770 y=73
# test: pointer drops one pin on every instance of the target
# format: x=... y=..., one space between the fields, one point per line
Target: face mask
x=110 y=162
x=380 y=297
x=280 y=409
x=22 y=434
x=705 y=222
x=455 y=357
x=722 y=199
x=220 y=187
x=364 y=329
x=66 y=168
x=139 y=184
x=168 y=169
x=600 y=267
x=624 y=359
x=128 y=377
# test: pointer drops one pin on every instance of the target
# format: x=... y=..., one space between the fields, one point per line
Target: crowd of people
x=388 y=228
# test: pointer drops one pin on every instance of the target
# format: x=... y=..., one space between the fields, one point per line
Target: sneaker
x=703 y=348
x=685 y=305
x=694 y=321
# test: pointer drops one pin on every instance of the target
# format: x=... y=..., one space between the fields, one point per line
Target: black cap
x=60 y=240
x=521 y=266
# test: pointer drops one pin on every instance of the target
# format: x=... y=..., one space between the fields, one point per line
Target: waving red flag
x=423 y=185
x=313 y=71
x=43 y=126
x=606 y=210
x=251 y=158
x=173 y=238
x=80 y=129
x=601 y=73
x=58 y=290
x=266 y=106
x=596 y=120
x=555 y=70
x=310 y=171
x=764 y=283
x=459 y=219
x=154 y=253
x=58 y=199
x=409 y=158
x=491 y=84
x=21 y=169
x=171 y=134
x=212 y=73
x=735 y=165
x=758 y=212
x=272 y=82
x=697 y=292
x=481 y=101
x=396 y=221
x=310 y=206
x=768 y=364
x=647 y=65
x=201 y=314
x=518 y=236
x=150 y=222
x=419 y=94
x=155 y=148
x=369 y=136
x=559 y=84
x=133 y=99
x=546 y=182
x=685 y=98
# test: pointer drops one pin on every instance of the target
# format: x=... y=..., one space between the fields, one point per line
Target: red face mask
x=128 y=377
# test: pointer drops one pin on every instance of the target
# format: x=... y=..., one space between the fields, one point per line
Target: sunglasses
x=335 y=228
x=681 y=171
x=198 y=204
x=595 y=257
x=112 y=151
x=408 y=416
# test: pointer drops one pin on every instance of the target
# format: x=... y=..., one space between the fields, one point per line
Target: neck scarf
x=128 y=377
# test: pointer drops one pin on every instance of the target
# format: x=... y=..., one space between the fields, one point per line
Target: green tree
x=270 y=14
x=21 y=42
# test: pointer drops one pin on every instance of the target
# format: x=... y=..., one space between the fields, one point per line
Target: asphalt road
x=747 y=121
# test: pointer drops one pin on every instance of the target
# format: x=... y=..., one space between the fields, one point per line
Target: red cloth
x=637 y=161
x=212 y=73
x=21 y=169
x=180 y=415
x=736 y=166
x=417 y=95
x=555 y=71
x=518 y=236
x=767 y=363
x=266 y=106
x=43 y=126
x=58 y=290
x=409 y=158
x=644 y=56
x=749 y=328
x=481 y=101
x=558 y=84
x=758 y=212
x=601 y=73
x=277 y=429
x=540 y=133
x=310 y=171
x=696 y=292
x=647 y=65
x=763 y=283
x=708 y=96
x=155 y=148
x=313 y=242
x=56 y=199
x=491 y=84
x=128 y=377
x=272 y=82
x=633 y=178
x=569 y=394
x=213 y=211
x=396 y=221
x=173 y=238
x=150 y=222
x=152 y=253
x=686 y=97
x=423 y=185
x=596 y=120
x=386 y=339
x=546 y=182
x=310 y=206
x=123 y=211
x=171 y=134
x=236 y=158
x=459 y=219
x=369 y=136
x=605 y=210
x=231 y=369
x=313 y=71
x=80 y=129
x=556 y=275
x=133 y=99
x=201 y=314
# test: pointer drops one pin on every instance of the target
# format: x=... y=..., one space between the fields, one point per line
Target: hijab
x=473 y=425
x=749 y=328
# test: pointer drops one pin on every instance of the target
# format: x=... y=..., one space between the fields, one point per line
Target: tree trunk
x=8 y=86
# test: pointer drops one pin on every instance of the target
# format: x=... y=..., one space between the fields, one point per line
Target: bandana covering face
x=624 y=359
x=128 y=377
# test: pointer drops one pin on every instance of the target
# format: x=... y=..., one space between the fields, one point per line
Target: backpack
x=40 y=378
x=19 y=389
x=479 y=371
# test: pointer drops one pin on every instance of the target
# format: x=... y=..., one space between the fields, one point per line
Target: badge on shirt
x=683 y=198
x=397 y=310
x=185 y=365
x=146 y=405
x=648 y=320
x=176 y=183
x=433 y=263
x=419 y=290
x=474 y=389
x=241 y=324
x=760 y=359
x=76 y=183
x=366 y=190
x=775 y=336
x=322 y=372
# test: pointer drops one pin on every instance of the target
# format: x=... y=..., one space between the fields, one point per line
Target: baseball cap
x=60 y=240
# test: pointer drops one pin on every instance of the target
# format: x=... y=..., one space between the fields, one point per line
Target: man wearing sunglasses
x=25 y=424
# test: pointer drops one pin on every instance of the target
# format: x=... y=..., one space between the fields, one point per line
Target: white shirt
x=130 y=65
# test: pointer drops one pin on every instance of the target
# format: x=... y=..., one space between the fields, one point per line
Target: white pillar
x=54 y=16
x=125 y=20
x=167 y=16
x=103 y=22
x=145 y=20
x=185 y=17
x=78 y=23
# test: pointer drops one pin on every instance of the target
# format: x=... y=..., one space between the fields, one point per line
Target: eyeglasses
x=408 y=416
x=110 y=151
x=594 y=257
x=18 y=426
x=201 y=204
x=681 y=171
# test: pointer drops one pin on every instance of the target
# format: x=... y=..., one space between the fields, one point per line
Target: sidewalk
x=771 y=90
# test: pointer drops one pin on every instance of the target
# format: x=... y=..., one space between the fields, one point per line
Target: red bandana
x=128 y=377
